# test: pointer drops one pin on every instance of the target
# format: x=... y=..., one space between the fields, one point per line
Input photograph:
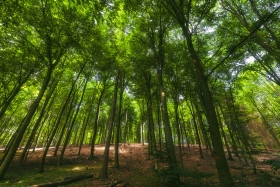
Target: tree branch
x=242 y=41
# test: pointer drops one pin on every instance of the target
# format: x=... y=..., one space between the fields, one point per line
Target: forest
x=139 y=93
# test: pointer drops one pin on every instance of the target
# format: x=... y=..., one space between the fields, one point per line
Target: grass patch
x=25 y=177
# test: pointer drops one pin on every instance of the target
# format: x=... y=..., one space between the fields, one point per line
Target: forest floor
x=137 y=170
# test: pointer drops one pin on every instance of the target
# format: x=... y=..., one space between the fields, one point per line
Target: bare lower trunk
x=37 y=124
x=23 y=126
x=72 y=126
x=91 y=156
x=110 y=128
x=224 y=135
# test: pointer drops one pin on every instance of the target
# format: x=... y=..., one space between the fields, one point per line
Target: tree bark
x=159 y=59
x=85 y=121
x=266 y=124
x=220 y=159
x=14 y=93
x=23 y=126
x=122 y=86
x=110 y=128
x=69 y=116
x=203 y=129
x=125 y=128
x=38 y=122
x=224 y=135
x=57 y=122
x=196 y=130
x=91 y=156
x=72 y=125
x=176 y=104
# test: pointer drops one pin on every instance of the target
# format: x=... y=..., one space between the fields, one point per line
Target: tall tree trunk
x=7 y=122
x=151 y=126
x=176 y=104
x=23 y=126
x=57 y=122
x=49 y=117
x=110 y=128
x=220 y=159
x=159 y=122
x=14 y=93
x=240 y=132
x=83 y=135
x=125 y=128
x=230 y=130
x=184 y=129
x=39 y=134
x=266 y=124
x=69 y=116
x=122 y=79
x=203 y=129
x=38 y=122
x=142 y=125
x=91 y=156
x=86 y=123
x=72 y=125
x=196 y=130
x=158 y=51
x=168 y=132
x=224 y=135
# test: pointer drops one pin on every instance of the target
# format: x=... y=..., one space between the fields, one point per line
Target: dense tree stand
x=140 y=93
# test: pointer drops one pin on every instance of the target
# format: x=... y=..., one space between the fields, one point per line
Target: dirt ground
x=137 y=170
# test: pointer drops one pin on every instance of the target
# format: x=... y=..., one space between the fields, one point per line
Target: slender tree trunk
x=234 y=146
x=91 y=156
x=122 y=78
x=107 y=146
x=196 y=130
x=39 y=134
x=266 y=124
x=83 y=135
x=8 y=146
x=16 y=90
x=168 y=132
x=49 y=117
x=151 y=127
x=178 y=132
x=151 y=130
x=7 y=122
x=125 y=128
x=203 y=129
x=159 y=60
x=57 y=122
x=72 y=125
x=220 y=159
x=69 y=116
x=142 y=125
x=224 y=135
x=86 y=123
x=159 y=123
x=184 y=130
x=23 y=126
x=38 y=122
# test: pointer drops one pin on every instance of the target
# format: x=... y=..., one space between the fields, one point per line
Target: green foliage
x=104 y=36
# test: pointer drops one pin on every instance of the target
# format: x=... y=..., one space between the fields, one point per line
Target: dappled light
x=139 y=93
